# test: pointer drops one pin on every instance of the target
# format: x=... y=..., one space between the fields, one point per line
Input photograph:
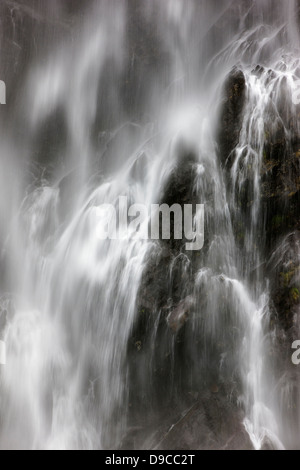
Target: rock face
x=166 y=305
x=210 y=423
x=165 y=299
x=165 y=380
x=279 y=187
x=179 y=315
x=280 y=197
x=278 y=232
x=285 y=265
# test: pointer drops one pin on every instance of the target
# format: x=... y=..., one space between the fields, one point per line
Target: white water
x=73 y=295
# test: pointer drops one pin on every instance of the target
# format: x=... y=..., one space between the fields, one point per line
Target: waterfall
x=111 y=343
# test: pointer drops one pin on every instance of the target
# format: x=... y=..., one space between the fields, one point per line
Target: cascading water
x=111 y=342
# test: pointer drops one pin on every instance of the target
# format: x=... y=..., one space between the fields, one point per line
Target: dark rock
x=179 y=315
x=156 y=285
x=163 y=303
x=258 y=70
x=280 y=193
x=212 y=423
x=231 y=114
x=285 y=284
x=204 y=420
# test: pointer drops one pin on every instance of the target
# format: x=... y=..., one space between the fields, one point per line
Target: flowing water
x=134 y=82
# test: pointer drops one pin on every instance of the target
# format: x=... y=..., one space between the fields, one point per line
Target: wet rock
x=285 y=284
x=231 y=114
x=214 y=388
x=169 y=269
x=163 y=305
x=212 y=423
x=280 y=195
x=179 y=315
x=283 y=270
x=258 y=70
x=201 y=420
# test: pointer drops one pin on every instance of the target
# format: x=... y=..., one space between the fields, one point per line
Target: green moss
x=295 y=294
x=277 y=221
x=286 y=277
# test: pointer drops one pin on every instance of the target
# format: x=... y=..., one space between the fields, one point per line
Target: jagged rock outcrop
x=231 y=114
x=211 y=422
x=279 y=187
x=285 y=285
x=165 y=297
